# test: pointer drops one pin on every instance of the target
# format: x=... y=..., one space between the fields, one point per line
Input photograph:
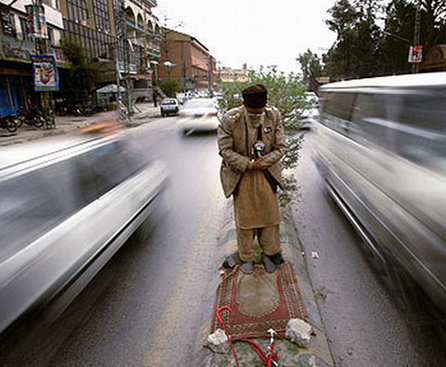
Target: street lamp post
x=155 y=82
x=169 y=65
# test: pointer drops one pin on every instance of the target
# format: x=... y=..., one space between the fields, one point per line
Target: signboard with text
x=415 y=54
x=46 y=77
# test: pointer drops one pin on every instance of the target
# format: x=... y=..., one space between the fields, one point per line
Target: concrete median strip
x=318 y=353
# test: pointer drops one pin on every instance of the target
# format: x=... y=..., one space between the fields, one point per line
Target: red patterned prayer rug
x=259 y=301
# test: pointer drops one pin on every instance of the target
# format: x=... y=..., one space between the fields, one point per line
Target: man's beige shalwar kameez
x=255 y=203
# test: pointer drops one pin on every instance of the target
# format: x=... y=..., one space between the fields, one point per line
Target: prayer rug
x=259 y=301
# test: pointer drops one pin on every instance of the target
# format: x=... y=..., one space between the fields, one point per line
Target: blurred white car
x=312 y=99
x=199 y=115
x=66 y=207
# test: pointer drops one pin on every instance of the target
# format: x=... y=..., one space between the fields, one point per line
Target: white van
x=381 y=147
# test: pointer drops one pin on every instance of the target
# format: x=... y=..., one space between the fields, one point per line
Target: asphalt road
x=364 y=324
x=147 y=305
x=150 y=313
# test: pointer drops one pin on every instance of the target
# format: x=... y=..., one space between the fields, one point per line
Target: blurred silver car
x=66 y=207
x=199 y=115
x=381 y=147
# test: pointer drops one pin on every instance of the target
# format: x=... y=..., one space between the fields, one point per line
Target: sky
x=256 y=32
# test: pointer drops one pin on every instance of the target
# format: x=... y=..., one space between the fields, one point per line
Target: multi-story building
x=185 y=59
x=143 y=31
x=228 y=75
x=16 y=49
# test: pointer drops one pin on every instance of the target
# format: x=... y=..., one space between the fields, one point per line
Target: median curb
x=290 y=355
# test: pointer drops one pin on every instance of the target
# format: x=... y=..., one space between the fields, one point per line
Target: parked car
x=66 y=208
x=169 y=106
x=199 y=115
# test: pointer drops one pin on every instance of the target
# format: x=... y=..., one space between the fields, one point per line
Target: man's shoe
x=231 y=261
x=247 y=267
x=269 y=264
x=277 y=258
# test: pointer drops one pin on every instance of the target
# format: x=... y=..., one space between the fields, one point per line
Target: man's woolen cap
x=255 y=96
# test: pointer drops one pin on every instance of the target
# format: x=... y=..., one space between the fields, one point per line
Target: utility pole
x=41 y=48
x=211 y=92
x=123 y=52
x=416 y=36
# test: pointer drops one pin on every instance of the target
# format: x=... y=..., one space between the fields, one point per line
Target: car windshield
x=200 y=103
x=168 y=102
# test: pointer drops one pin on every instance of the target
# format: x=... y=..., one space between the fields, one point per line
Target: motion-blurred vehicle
x=218 y=95
x=181 y=97
x=199 y=115
x=309 y=105
x=312 y=99
x=381 y=147
x=169 y=106
x=66 y=207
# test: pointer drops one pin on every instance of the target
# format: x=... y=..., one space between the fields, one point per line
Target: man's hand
x=259 y=165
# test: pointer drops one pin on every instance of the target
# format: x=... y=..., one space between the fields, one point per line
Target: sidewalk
x=72 y=124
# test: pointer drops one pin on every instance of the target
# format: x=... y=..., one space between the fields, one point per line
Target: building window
x=7 y=23
x=77 y=10
x=96 y=43
x=24 y=29
x=101 y=16
x=51 y=36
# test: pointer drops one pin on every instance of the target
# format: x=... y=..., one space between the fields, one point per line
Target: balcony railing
x=142 y=5
x=135 y=26
x=132 y=68
x=153 y=52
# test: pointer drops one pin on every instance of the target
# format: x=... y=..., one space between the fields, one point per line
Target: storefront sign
x=46 y=77
x=19 y=50
x=36 y=21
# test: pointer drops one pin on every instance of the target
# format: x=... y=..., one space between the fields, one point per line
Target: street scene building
x=17 y=47
x=229 y=75
x=185 y=59
x=143 y=33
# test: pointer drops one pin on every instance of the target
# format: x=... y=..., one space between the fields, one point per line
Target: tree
x=434 y=23
x=286 y=93
x=362 y=49
x=356 y=53
x=400 y=25
x=82 y=74
x=312 y=68
x=170 y=87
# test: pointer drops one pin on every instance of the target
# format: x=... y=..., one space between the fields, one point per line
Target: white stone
x=299 y=332
x=218 y=342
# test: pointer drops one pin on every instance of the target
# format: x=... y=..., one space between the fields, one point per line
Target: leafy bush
x=170 y=87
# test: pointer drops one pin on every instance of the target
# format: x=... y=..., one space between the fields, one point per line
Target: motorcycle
x=8 y=123
x=33 y=117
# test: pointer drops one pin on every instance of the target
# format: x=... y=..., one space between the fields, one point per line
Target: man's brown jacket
x=233 y=146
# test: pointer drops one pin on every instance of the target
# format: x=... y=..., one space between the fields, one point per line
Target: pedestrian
x=251 y=142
